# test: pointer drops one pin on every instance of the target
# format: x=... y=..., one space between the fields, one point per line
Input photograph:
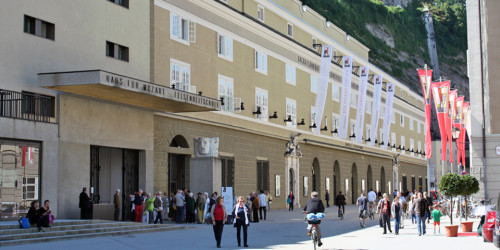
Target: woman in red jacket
x=219 y=217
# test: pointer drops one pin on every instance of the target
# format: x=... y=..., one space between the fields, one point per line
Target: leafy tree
x=470 y=185
x=451 y=185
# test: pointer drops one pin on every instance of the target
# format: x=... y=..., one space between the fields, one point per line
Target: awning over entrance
x=122 y=89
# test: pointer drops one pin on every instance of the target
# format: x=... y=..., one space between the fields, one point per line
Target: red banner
x=452 y=96
x=440 y=92
x=425 y=77
x=23 y=156
x=465 y=117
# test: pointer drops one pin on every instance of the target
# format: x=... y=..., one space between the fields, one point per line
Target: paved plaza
x=282 y=230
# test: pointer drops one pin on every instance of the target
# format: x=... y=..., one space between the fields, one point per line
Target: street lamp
x=455 y=134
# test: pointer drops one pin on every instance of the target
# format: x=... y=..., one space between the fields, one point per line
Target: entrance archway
x=382 y=180
x=316 y=177
x=354 y=183
x=337 y=181
x=178 y=166
x=369 y=179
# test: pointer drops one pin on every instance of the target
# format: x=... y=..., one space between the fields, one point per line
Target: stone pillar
x=205 y=168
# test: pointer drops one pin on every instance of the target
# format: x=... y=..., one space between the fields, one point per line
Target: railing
x=26 y=106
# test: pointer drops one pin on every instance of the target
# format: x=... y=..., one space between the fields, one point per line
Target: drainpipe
x=482 y=102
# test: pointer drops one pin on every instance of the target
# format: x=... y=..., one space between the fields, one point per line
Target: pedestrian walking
x=117 y=201
x=262 y=204
x=290 y=200
x=269 y=201
x=412 y=209
x=190 y=208
x=84 y=205
x=179 y=204
x=327 y=198
x=429 y=205
x=165 y=204
x=362 y=204
x=158 y=207
x=255 y=207
x=436 y=217
x=421 y=208
x=138 y=201
x=396 y=210
x=218 y=214
x=200 y=207
x=385 y=213
x=150 y=207
x=249 y=205
x=240 y=215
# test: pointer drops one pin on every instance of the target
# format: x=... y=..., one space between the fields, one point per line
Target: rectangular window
x=39 y=27
x=367 y=132
x=226 y=87
x=262 y=176
x=30 y=188
x=314 y=41
x=411 y=123
x=353 y=100
x=260 y=62
x=225 y=46
x=419 y=146
x=261 y=98
x=393 y=117
x=313 y=115
x=260 y=13
x=335 y=93
x=419 y=129
x=382 y=111
x=290 y=74
x=123 y=3
x=368 y=107
x=314 y=84
x=353 y=129
x=117 y=51
x=401 y=120
x=180 y=75
x=291 y=112
x=403 y=144
x=289 y=30
x=335 y=124
x=182 y=29
x=393 y=140
x=412 y=146
x=227 y=167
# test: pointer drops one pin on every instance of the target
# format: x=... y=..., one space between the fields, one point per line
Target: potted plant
x=451 y=186
x=470 y=185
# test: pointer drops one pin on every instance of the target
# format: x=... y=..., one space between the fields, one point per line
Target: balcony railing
x=26 y=106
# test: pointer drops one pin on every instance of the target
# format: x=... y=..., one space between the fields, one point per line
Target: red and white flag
x=389 y=100
x=425 y=77
x=465 y=126
x=452 y=96
x=440 y=91
x=377 y=93
x=360 y=115
x=324 y=72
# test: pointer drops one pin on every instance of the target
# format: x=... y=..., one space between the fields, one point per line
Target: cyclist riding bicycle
x=314 y=205
x=340 y=200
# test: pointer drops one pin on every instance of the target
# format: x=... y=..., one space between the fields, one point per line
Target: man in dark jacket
x=421 y=208
x=340 y=201
x=314 y=205
x=327 y=198
x=84 y=205
x=385 y=212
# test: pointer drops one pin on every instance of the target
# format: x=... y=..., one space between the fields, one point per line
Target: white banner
x=360 y=115
x=389 y=99
x=377 y=93
x=346 y=96
x=324 y=74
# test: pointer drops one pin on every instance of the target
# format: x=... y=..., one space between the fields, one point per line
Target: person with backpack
x=385 y=213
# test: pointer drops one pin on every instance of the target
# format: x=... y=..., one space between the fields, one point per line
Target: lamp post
x=455 y=134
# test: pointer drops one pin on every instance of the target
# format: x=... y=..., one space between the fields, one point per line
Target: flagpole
x=428 y=159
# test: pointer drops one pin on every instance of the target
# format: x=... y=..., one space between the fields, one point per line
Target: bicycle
x=371 y=214
x=314 y=220
x=341 y=212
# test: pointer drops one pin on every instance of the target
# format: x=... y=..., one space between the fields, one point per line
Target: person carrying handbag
x=240 y=215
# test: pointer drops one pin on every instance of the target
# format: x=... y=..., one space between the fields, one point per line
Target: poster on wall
x=278 y=186
x=227 y=194
x=306 y=186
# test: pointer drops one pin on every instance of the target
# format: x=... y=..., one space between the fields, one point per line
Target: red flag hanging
x=457 y=123
x=452 y=96
x=440 y=92
x=465 y=120
x=23 y=156
x=425 y=77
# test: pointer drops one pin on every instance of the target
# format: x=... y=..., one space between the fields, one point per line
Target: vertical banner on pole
x=457 y=123
x=425 y=77
x=324 y=72
x=346 y=96
x=452 y=96
x=440 y=92
x=465 y=128
x=377 y=93
x=360 y=113
x=389 y=100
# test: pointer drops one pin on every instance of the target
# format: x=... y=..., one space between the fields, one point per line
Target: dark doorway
x=413 y=183
x=316 y=177
x=337 y=181
x=369 y=179
x=178 y=172
x=420 y=186
x=354 y=183
x=405 y=184
x=291 y=178
x=130 y=180
x=382 y=180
